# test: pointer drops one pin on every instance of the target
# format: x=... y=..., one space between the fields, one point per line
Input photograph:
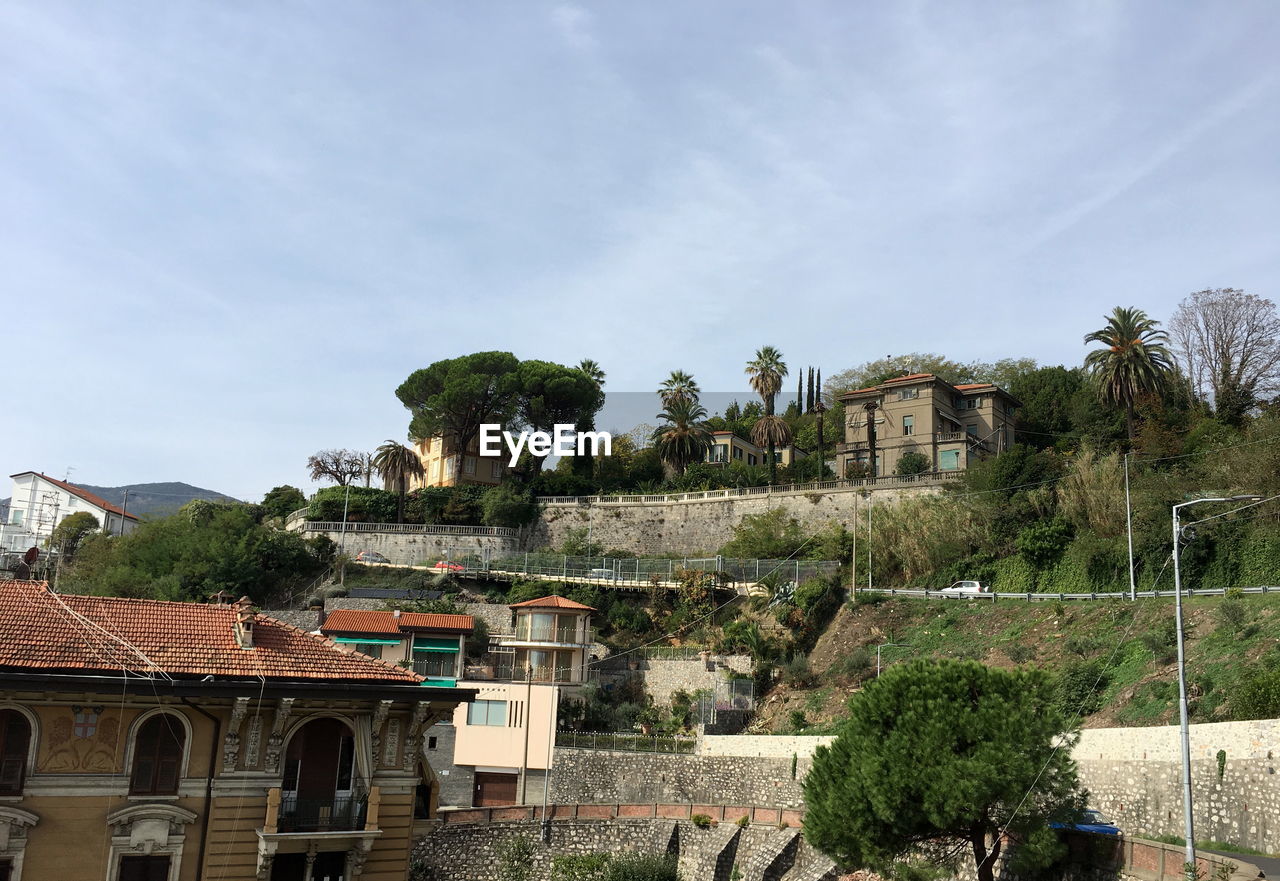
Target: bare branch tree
x=1228 y=343
x=341 y=466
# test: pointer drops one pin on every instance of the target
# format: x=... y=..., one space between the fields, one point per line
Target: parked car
x=371 y=557
x=448 y=566
x=1090 y=821
x=966 y=589
x=603 y=573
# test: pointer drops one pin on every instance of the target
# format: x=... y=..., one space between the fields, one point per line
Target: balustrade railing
x=886 y=482
x=335 y=813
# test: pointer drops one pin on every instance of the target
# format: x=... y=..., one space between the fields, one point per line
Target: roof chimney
x=395 y=614
x=244 y=622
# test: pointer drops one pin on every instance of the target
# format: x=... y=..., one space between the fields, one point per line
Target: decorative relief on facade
x=392 y=744
x=253 y=742
x=76 y=745
x=380 y=714
x=275 y=743
x=231 y=743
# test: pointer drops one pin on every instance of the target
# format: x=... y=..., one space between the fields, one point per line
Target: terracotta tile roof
x=89 y=497
x=552 y=602
x=861 y=391
x=435 y=621
x=371 y=622
x=911 y=376
x=41 y=631
x=973 y=385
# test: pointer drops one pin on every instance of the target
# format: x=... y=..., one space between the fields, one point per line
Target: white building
x=41 y=502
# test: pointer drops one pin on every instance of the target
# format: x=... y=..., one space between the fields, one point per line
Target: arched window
x=15 y=742
x=157 y=756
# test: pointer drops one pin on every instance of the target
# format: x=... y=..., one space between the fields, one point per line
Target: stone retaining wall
x=699 y=526
x=407 y=549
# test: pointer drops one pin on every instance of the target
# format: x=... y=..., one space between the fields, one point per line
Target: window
x=971 y=430
x=487 y=713
x=157 y=756
x=437 y=665
x=139 y=868
x=469 y=464
x=948 y=460
x=15 y=740
x=751 y=459
x=908 y=426
x=431 y=742
x=720 y=453
x=17 y=516
x=737 y=452
x=372 y=649
x=908 y=394
x=495 y=469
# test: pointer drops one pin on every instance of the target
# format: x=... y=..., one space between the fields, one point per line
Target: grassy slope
x=1142 y=687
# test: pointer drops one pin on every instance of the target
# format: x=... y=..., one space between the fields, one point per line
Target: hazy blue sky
x=229 y=230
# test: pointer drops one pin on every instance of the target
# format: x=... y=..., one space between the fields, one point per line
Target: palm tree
x=679 y=386
x=395 y=461
x=1135 y=362
x=766 y=372
x=592 y=369
x=683 y=438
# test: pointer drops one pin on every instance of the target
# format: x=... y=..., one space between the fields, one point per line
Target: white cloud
x=573 y=23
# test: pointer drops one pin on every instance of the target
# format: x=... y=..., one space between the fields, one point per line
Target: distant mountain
x=155 y=499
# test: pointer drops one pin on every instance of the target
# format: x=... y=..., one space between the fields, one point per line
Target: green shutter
x=434 y=644
x=353 y=640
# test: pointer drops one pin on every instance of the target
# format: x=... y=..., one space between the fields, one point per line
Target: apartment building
x=950 y=425
x=39 y=503
x=727 y=447
x=442 y=466
x=158 y=741
x=430 y=644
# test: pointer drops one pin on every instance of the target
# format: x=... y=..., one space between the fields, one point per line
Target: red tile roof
x=371 y=622
x=911 y=376
x=89 y=497
x=973 y=385
x=552 y=602
x=43 y=631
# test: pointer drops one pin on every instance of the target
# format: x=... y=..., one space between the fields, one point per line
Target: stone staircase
x=709 y=854
x=760 y=853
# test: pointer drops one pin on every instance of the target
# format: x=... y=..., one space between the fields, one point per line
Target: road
x=1269 y=865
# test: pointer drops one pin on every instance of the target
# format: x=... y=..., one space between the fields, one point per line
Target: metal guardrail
x=1034 y=597
x=674 y=744
x=410 y=528
x=931 y=478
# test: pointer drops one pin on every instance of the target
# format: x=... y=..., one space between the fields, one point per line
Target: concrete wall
x=1134 y=775
x=585 y=775
x=699 y=526
x=414 y=550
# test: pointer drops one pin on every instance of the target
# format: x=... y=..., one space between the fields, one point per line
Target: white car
x=965 y=589
x=603 y=573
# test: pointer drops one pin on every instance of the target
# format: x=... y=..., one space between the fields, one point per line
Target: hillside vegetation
x=1115 y=660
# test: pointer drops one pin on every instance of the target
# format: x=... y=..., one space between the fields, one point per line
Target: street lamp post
x=820 y=408
x=886 y=645
x=1187 y=819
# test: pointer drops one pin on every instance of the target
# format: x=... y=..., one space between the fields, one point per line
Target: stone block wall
x=696 y=527
x=585 y=775
x=415 y=550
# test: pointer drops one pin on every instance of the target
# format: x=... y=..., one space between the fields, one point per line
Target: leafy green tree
x=875 y=372
x=943 y=755
x=505 y=505
x=551 y=394
x=68 y=534
x=282 y=501
x=1044 y=420
x=397 y=464
x=585 y=465
x=772 y=535
x=454 y=397
x=767 y=370
x=679 y=386
x=683 y=437
x=1135 y=360
x=912 y=463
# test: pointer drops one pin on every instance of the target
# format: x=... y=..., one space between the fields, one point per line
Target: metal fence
x=887 y=482
x=409 y=528
x=1033 y=597
x=632 y=743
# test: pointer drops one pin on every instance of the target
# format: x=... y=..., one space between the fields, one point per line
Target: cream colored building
x=950 y=425
x=727 y=448
x=159 y=741
x=441 y=465
x=505 y=737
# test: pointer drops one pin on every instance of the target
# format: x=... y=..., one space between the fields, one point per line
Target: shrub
x=797 y=721
x=504 y=506
x=1232 y=615
x=1020 y=653
x=515 y=859
x=744 y=821
x=1080 y=687
x=1257 y=696
x=856 y=662
x=796 y=672
x=581 y=867
x=702 y=821
x=1162 y=641
x=912 y=463
x=1042 y=544
x=643 y=867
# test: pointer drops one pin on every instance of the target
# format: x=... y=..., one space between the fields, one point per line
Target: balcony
x=949 y=437
x=510 y=672
x=340 y=812
x=528 y=631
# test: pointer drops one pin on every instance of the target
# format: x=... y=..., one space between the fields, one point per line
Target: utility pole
x=125 y=509
x=870 y=504
x=1128 y=519
x=528 y=723
x=853 y=557
x=342 y=538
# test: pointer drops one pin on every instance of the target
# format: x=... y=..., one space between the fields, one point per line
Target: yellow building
x=727 y=447
x=442 y=466
x=157 y=741
x=950 y=425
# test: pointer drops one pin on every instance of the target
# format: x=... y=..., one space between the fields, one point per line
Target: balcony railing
x=530 y=632
x=335 y=813
x=427 y=668
x=523 y=673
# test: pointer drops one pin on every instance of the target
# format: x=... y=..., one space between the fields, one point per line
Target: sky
x=230 y=230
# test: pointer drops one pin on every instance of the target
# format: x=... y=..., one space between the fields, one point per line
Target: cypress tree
x=808 y=406
x=817 y=385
